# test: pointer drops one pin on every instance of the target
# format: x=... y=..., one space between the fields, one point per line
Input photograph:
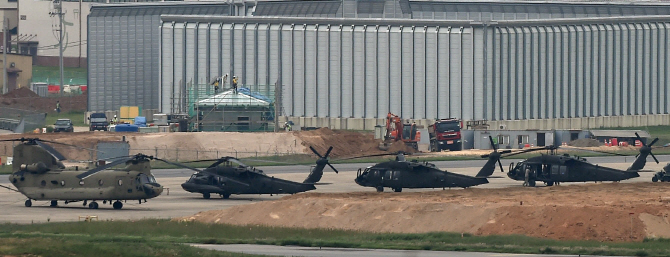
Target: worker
x=216 y=84
x=287 y=126
x=235 y=83
x=58 y=106
x=114 y=120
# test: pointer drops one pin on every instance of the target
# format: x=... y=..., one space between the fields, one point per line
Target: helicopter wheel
x=29 y=203
x=531 y=183
x=205 y=195
x=397 y=190
x=117 y=205
x=380 y=189
x=93 y=205
x=654 y=179
x=225 y=196
x=549 y=183
x=54 y=203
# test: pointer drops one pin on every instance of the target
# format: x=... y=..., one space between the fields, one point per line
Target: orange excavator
x=396 y=130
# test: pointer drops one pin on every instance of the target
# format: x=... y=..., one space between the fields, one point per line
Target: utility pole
x=58 y=6
x=4 y=55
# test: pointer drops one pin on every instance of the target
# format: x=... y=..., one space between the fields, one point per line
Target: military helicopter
x=663 y=175
x=553 y=169
x=229 y=175
x=39 y=174
x=400 y=173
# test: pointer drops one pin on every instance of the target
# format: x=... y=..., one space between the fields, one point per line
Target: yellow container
x=129 y=112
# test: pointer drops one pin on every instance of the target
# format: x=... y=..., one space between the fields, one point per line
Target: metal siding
x=167 y=67
x=574 y=106
x=179 y=69
x=533 y=76
x=419 y=92
x=248 y=56
x=225 y=49
x=407 y=67
x=551 y=100
x=652 y=68
x=431 y=73
x=310 y=70
x=662 y=45
x=443 y=67
x=214 y=53
x=298 y=54
x=347 y=72
x=587 y=53
x=358 y=69
x=505 y=71
x=383 y=70
x=456 y=72
x=286 y=45
x=466 y=83
x=542 y=51
x=202 y=56
x=564 y=53
x=371 y=72
x=322 y=71
x=395 y=63
x=335 y=72
x=190 y=59
x=617 y=92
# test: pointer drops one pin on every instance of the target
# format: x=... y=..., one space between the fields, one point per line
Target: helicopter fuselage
x=561 y=168
x=403 y=174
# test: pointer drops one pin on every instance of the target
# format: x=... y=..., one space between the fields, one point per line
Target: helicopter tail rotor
x=641 y=158
x=317 y=172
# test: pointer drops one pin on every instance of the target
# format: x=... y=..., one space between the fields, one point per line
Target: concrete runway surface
x=337 y=252
x=179 y=203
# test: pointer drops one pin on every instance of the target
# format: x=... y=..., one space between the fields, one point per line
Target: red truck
x=445 y=134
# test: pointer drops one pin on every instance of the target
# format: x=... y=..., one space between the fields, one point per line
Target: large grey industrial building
x=345 y=64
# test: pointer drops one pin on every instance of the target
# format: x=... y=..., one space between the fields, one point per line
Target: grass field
x=77 y=118
x=162 y=237
x=51 y=75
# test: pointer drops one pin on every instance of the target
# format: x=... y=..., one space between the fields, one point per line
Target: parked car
x=63 y=125
x=98 y=121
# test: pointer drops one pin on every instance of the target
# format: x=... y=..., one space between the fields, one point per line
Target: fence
x=20 y=120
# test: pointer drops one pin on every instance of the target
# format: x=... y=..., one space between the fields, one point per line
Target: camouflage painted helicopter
x=553 y=169
x=227 y=176
x=39 y=174
x=400 y=173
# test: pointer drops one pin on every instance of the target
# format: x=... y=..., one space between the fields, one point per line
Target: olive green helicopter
x=39 y=174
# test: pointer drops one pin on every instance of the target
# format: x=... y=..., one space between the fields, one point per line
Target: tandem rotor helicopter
x=400 y=173
x=227 y=176
x=553 y=168
x=39 y=174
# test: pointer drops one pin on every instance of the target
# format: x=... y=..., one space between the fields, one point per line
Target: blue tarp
x=141 y=121
x=247 y=91
x=126 y=128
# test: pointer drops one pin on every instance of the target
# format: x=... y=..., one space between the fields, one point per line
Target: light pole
x=59 y=11
x=4 y=55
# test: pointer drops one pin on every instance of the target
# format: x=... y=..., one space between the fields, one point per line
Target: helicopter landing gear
x=529 y=183
x=54 y=203
x=397 y=190
x=93 y=205
x=205 y=195
x=225 y=195
x=549 y=183
x=117 y=205
x=380 y=189
x=654 y=179
x=29 y=203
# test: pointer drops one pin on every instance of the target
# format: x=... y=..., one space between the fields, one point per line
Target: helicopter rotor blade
x=590 y=150
x=223 y=177
x=652 y=142
x=365 y=156
x=334 y=169
x=526 y=151
x=51 y=150
x=177 y=164
x=654 y=156
x=639 y=138
x=315 y=152
x=10 y=188
x=328 y=152
x=103 y=167
x=495 y=149
x=500 y=165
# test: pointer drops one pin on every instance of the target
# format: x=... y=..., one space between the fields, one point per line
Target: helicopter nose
x=152 y=189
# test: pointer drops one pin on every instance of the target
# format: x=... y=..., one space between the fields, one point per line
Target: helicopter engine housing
x=39 y=167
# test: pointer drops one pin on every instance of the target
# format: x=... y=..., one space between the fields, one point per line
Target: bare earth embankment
x=583 y=212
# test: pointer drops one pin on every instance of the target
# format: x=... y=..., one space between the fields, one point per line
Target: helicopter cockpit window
x=100 y=182
x=62 y=182
x=120 y=182
x=81 y=182
x=143 y=179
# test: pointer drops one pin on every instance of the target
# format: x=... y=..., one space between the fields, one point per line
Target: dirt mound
x=585 y=142
x=346 y=143
x=25 y=99
x=20 y=92
x=575 y=212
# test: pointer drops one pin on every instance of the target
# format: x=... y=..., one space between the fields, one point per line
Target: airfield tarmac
x=179 y=203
